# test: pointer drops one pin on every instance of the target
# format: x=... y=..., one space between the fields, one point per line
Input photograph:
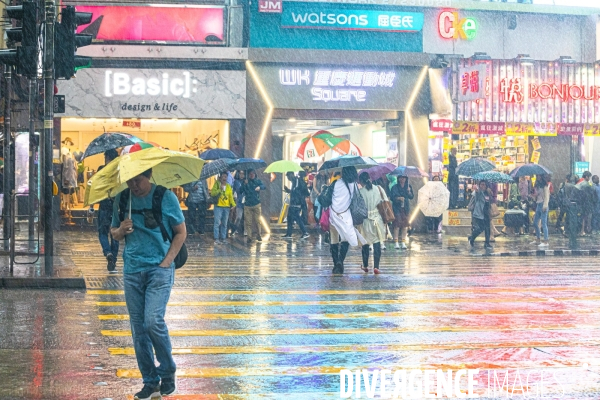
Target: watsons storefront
x=185 y=110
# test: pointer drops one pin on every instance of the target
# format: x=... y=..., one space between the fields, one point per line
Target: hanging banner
x=535 y=157
x=591 y=130
x=464 y=128
x=570 y=129
x=519 y=128
x=472 y=83
x=492 y=128
x=440 y=125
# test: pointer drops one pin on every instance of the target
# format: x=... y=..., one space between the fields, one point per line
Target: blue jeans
x=146 y=296
x=220 y=226
x=109 y=245
x=543 y=216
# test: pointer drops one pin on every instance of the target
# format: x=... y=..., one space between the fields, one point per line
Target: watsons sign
x=366 y=20
x=337 y=85
x=148 y=93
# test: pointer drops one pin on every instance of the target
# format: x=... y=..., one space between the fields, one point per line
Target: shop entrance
x=365 y=137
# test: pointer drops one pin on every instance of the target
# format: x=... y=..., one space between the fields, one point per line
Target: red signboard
x=273 y=6
x=492 y=128
x=441 y=125
x=132 y=124
x=570 y=129
x=163 y=23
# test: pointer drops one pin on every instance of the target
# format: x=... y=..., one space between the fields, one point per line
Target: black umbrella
x=529 y=170
x=247 y=163
x=216 y=154
x=214 y=168
x=348 y=161
x=110 y=141
x=474 y=166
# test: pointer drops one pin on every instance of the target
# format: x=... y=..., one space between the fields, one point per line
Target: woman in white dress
x=373 y=228
x=342 y=231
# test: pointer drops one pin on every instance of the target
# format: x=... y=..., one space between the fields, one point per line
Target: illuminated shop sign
x=367 y=20
x=155 y=93
x=513 y=91
x=452 y=26
x=122 y=84
x=336 y=85
x=270 y=6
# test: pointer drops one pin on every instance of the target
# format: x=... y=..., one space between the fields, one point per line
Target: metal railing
x=34 y=241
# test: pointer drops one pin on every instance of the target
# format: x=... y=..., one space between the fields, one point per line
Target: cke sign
x=451 y=26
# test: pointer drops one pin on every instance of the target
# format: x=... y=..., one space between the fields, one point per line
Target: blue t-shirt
x=144 y=247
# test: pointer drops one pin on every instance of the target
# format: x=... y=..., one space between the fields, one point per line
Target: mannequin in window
x=69 y=174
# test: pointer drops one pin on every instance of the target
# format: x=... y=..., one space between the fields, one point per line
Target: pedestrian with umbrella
x=372 y=228
x=479 y=205
x=251 y=188
x=542 y=197
x=223 y=192
x=475 y=165
x=110 y=246
x=343 y=233
x=298 y=193
x=197 y=202
x=110 y=141
x=401 y=194
x=216 y=154
x=434 y=199
x=238 y=194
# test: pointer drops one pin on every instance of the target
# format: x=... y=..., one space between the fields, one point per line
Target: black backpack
x=157 y=199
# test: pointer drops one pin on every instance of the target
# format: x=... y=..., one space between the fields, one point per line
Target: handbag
x=326 y=196
x=494 y=212
x=385 y=209
x=471 y=205
x=358 y=207
x=324 y=220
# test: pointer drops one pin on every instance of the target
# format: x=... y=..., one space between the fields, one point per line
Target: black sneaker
x=148 y=392
x=259 y=239
x=168 y=386
x=111 y=263
x=287 y=236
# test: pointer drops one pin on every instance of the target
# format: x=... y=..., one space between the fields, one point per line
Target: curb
x=42 y=283
x=545 y=253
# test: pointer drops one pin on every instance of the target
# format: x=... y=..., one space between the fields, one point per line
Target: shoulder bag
x=358 y=207
x=385 y=209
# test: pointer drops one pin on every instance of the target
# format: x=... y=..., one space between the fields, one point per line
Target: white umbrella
x=434 y=199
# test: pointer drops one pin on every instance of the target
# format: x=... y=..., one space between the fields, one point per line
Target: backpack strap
x=157 y=199
x=123 y=200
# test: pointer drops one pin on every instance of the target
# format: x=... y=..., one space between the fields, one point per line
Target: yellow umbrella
x=169 y=169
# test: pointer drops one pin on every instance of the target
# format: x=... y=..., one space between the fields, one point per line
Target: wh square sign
x=272 y=6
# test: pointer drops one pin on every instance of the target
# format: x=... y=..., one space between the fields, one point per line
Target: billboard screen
x=202 y=24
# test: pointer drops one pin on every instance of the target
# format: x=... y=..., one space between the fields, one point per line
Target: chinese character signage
x=534 y=93
x=472 y=83
x=441 y=125
x=346 y=19
x=309 y=86
x=492 y=128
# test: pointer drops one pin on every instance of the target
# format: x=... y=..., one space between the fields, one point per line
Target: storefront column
x=259 y=143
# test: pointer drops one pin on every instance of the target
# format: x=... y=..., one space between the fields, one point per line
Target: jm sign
x=156 y=94
x=337 y=85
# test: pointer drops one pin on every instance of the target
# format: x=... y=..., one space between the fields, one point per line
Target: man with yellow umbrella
x=148 y=217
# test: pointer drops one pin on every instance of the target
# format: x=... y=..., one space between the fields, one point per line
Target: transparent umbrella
x=433 y=199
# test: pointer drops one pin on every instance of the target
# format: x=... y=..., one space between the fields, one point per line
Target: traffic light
x=66 y=62
x=25 y=57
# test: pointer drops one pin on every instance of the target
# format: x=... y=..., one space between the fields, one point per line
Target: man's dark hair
x=587 y=174
x=111 y=154
x=349 y=174
x=147 y=173
x=224 y=173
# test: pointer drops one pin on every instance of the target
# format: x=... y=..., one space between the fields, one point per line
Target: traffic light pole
x=46 y=141
x=7 y=156
x=32 y=164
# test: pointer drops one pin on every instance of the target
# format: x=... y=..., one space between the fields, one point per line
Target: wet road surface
x=268 y=321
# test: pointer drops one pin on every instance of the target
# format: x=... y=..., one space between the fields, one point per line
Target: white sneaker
x=383 y=247
x=397 y=245
x=543 y=244
x=403 y=246
x=535 y=243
